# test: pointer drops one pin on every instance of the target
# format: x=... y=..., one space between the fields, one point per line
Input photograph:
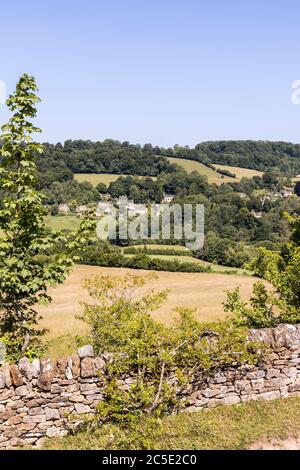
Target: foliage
x=258 y=155
x=151 y=365
x=281 y=304
x=24 y=273
x=156 y=251
x=104 y=254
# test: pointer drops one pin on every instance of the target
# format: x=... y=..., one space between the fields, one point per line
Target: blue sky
x=165 y=72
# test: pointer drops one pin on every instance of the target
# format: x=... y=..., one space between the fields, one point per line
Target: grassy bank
x=239 y=172
x=192 y=165
x=223 y=428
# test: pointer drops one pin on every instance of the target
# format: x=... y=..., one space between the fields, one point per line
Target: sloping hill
x=192 y=165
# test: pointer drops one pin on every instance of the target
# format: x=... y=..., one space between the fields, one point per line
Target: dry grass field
x=240 y=172
x=193 y=165
x=203 y=291
x=96 y=178
x=213 y=176
x=188 y=165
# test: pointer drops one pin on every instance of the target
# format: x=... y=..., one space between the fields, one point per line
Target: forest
x=240 y=216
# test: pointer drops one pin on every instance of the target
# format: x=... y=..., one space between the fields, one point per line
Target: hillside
x=60 y=161
x=212 y=176
x=256 y=155
x=96 y=178
x=239 y=172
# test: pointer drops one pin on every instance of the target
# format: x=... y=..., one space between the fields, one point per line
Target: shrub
x=281 y=303
x=156 y=251
x=158 y=362
x=106 y=255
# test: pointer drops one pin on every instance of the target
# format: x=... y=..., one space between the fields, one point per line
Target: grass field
x=162 y=247
x=62 y=222
x=240 y=172
x=238 y=427
x=96 y=178
x=193 y=165
x=203 y=291
x=214 y=176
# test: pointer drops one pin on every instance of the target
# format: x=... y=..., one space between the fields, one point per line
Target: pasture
x=96 y=178
x=155 y=246
x=192 y=165
x=240 y=172
x=203 y=291
x=62 y=222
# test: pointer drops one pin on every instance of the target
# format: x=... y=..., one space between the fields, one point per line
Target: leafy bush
x=156 y=251
x=151 y=364
x=101 y=254
x=281 y=304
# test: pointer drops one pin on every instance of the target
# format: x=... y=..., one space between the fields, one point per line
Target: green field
x=162 y=247
x=240 y=172
x=251 y=425
x=62 y=222
x=96 y=178
x=193 y=165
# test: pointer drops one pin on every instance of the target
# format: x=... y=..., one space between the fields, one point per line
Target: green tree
x=281 y=303
x=26 y=269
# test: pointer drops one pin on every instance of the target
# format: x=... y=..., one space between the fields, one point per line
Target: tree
x=281 y=304
x=26 y=269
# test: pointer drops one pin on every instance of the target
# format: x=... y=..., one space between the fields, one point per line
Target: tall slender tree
x=26 y=268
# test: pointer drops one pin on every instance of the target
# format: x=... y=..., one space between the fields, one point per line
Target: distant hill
x=255 y=155
x=61 y=161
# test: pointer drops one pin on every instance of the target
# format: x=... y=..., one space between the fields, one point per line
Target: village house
x=104 y=208
x=64 y=209
x=126 y=203
x=168 y=198
x=138 y=209
x=80 y=209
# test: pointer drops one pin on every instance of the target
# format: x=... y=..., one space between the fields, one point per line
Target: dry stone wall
x=44 y=398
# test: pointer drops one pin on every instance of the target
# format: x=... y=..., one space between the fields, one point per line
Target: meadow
x=96 y=178
x=203 y=291
x=156 y=246
x=189 y=165
x=62 y=222
x=240 y=172
x=192 y=165
x=214 y=176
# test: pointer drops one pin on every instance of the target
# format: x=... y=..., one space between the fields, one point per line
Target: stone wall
x=45 y=398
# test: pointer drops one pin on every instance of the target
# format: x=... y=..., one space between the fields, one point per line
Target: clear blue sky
x=159 y=71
